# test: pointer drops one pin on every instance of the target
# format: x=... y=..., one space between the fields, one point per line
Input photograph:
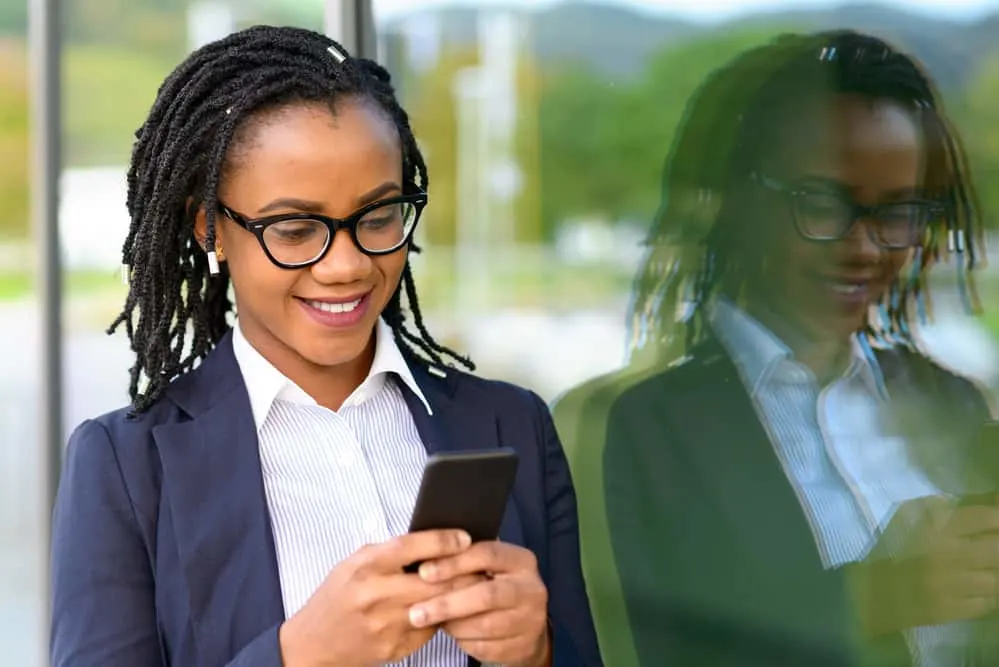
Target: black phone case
x=467 y=491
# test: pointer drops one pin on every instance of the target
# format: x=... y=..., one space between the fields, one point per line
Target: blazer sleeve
x=103 y=605
x=103 y=585
x=574 y=640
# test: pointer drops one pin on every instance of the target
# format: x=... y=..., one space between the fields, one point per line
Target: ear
x=200 y=226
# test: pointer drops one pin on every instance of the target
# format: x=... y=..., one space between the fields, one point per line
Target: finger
x=971 y=608
x=974 y=520
x=513 y=651
x=493 y=557
x=490 y=626
x=978 y=553
x=971 y=585
x=404 y=590
x=397 y=553
x=488 y=596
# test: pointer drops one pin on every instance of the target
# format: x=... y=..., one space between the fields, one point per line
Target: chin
x=337 y=352
x=328 y=358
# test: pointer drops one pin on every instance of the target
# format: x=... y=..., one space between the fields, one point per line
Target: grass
x=15 y=286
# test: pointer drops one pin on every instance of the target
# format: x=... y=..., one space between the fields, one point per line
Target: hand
x=359 y=616
x=948 y=569
x=502 y=619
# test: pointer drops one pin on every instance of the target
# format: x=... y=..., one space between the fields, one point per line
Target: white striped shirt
x=335 y=481
x=849 y=473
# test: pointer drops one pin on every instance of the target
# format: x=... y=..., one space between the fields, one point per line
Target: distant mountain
x=948 y=49
x=610 y=38
x=617 y=40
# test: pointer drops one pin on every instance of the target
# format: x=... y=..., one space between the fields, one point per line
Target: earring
x=214 y=257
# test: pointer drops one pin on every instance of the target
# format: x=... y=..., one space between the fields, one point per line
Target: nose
x=343 y=262
x=859 y=244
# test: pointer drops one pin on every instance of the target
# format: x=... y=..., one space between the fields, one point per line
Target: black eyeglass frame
x=257 y=226
x=857 y=211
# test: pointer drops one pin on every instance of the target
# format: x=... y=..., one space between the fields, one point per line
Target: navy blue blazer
x=162 y=550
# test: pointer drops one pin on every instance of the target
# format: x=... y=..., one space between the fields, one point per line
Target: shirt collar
x=266 y=384
x=758 y=352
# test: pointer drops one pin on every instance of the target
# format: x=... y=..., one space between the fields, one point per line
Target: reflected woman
x=779 y=465
x=250 y=507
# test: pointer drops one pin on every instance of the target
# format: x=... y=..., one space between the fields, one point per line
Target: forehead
x=314 y=153
x=855 y=139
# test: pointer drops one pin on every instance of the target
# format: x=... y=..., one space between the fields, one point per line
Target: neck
x=826 y=355
x=329 y=386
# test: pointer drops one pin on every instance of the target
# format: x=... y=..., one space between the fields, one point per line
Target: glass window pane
x=599 y=185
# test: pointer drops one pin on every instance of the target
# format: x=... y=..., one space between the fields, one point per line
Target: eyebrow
x=308 y=206
x=903 y=193
x=303 y=205
x=386 y=188
x=889 y=196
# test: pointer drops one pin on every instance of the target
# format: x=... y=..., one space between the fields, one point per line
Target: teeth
x=335 y=307
x=847 y=288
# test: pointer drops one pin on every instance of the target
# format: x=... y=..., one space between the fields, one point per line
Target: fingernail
x=418 y=617
x=428 y=572
x=464 y=540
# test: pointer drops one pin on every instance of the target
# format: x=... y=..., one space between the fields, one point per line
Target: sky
x=708 y=10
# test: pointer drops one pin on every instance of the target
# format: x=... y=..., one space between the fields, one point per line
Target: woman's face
x=305 y=159
x=866 y=152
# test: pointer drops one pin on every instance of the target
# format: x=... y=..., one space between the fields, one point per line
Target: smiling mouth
x=848 y=289
x=346 y=307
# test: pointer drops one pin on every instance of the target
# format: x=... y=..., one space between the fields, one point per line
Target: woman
x=251 y=509
x=780 y=492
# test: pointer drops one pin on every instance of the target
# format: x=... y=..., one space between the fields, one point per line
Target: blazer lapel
x=457 y=426
x=213 y=489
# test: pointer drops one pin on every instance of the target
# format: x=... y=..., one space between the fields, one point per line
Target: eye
x=822 y=204
x=295 y=231
x=383 y=216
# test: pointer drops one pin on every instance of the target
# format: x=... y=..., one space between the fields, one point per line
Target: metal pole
x=351 y=23
x=46 y=162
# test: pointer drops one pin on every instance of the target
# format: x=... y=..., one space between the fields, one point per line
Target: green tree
x=108 y=92
x=433 y=110
x=975 y=117
x=13 y=139
x=13 y=18
x=433 y=114
x=604 y=142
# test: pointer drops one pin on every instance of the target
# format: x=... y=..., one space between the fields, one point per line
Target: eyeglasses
x=298 y=240
x=828 y=216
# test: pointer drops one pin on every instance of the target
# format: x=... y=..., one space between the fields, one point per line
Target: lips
x=847 y=288
x=851 y=292
x=339 y=312
x=335 y=306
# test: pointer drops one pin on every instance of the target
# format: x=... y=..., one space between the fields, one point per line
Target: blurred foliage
x=108 y=92
x=13 y=18
x=975 y=116
x=590 y=145
x=13 y=139
x=116 y=54
x=434 y=116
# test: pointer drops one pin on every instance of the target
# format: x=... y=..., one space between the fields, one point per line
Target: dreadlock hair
x=178 y=159
x=699 y=238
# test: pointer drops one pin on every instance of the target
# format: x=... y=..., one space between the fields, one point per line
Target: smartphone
x=465 y=490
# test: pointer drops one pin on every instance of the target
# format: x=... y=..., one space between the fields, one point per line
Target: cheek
x=254 y=276
x=391 y=268
x=893 y=264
